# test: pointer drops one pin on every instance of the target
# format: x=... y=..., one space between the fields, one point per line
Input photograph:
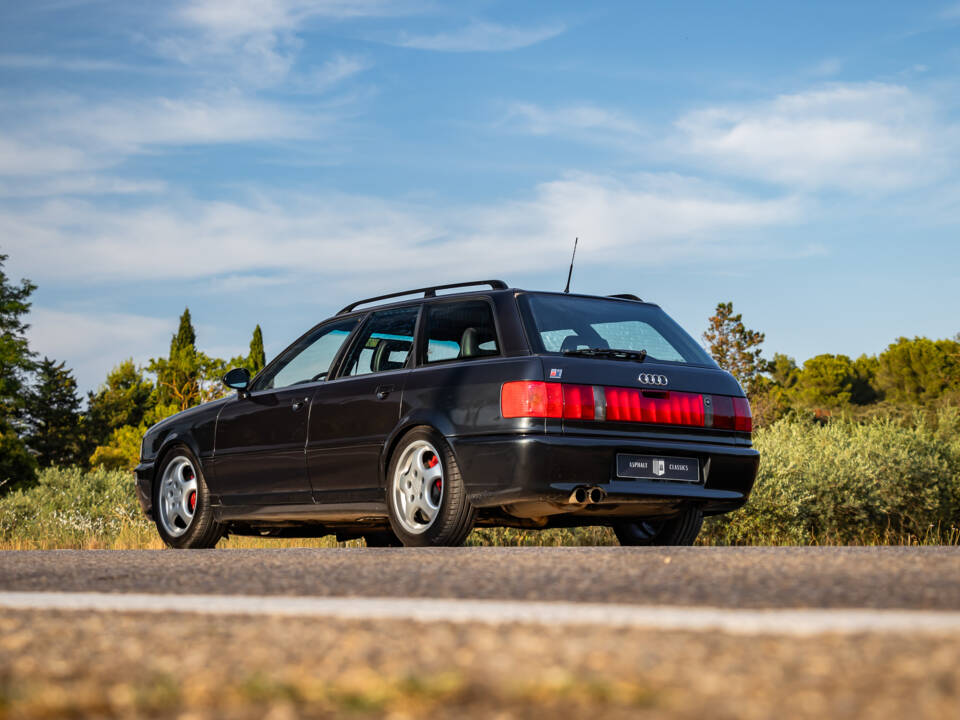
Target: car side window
x=384 y=342
x=310 y=359
x=460 y=331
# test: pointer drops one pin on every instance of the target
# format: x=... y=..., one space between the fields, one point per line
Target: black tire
x=681 y=530
x=202 y=530
x=386 y=538
x=454 y=519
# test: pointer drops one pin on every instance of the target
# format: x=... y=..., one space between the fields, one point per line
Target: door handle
x=298 y=404
x=383 y=391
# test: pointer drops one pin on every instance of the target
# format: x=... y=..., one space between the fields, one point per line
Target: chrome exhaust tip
x=578 y=496
x=596 y=495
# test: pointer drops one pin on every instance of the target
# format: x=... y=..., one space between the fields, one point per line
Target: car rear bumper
x=144 y=476
x=523 y=472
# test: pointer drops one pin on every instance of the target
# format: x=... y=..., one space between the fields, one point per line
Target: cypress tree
x=186 y=336
x=178 y=377
x=257 y=357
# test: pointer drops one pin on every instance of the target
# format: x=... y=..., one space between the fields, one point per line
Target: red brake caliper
x=193 y=501
x=434 y=461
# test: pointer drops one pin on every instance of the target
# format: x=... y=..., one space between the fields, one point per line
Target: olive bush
x=850 y=482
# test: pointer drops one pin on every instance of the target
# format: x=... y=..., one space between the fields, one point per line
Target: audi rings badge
x=652 y=379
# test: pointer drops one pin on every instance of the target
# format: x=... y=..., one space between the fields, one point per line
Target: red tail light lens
x=723 y=412
x=578 y=403
x=664 y=408
x=742 y=417
x=730 y=413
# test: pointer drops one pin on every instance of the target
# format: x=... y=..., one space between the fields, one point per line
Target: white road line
x=737 y=621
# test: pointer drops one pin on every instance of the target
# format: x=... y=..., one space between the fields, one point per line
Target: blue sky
x=269 y=161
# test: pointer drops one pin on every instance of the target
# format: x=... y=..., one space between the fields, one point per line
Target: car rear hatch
x=663 y=385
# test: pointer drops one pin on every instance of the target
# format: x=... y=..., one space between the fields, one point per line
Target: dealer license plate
x=658 y=467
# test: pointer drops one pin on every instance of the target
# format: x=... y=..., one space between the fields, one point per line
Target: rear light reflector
x=662 y=408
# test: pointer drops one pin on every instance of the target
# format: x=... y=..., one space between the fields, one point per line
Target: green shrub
x=850 y=482
x=69 y=506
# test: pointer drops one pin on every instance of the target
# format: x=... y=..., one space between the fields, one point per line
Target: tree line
x=911 y=374
x=44 y=422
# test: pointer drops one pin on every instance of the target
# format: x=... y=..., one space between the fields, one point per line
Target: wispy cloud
x=481 y=37
x=584 y=121
x=951 y=12
x=90 y=342
x=52 y=62
x=661 y=218
x=257 y=42
x=858 y=137
x=68 y=134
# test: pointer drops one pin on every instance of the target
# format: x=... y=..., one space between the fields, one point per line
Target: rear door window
x=460 y=331
x=384 y=343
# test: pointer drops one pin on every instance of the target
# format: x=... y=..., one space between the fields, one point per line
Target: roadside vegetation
x=844 y=481
x=863 y=450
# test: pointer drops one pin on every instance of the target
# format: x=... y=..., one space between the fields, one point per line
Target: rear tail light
x=537 y=399
x=732 y=413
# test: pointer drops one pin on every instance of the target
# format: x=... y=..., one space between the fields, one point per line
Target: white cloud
x=91 y=343
x=858 y=137
x=63 y=134
x=828 y=66
x=257 y=42
x=76 y=184
x=951 y=12
x=582 y=121
x=19 y=61
x=331 y=73
x=481 y=37
x=647 y=220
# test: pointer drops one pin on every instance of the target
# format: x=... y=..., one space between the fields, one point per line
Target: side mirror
x=238 y=379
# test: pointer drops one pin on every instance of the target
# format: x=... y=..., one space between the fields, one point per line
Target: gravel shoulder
x=135 y=665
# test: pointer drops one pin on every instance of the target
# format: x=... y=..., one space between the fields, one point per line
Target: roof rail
x=428 y=292
x=625 y=296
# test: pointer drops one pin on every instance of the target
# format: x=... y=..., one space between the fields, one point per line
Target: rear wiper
x=635 y=355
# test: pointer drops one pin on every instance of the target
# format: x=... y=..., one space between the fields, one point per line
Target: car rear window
x=557 y=323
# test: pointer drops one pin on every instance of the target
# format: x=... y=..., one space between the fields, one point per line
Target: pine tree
x=53 y=416
x=735 y=347
x=257 y=357
x=16 y=359
x=16 y=362
x=124 y=399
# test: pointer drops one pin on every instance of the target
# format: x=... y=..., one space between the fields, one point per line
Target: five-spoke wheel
x=426 y=496
x=178 y=496
x=180 y=503
x=418 y=486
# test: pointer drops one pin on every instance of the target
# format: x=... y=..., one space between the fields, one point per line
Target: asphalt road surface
x=532 y=638
x=873 y=577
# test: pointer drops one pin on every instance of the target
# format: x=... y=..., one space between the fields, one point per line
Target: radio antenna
x=570 y=274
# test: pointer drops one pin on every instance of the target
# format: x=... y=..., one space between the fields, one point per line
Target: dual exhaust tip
x=586 y=495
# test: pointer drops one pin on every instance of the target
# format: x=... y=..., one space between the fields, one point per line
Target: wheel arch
x=434 y=421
